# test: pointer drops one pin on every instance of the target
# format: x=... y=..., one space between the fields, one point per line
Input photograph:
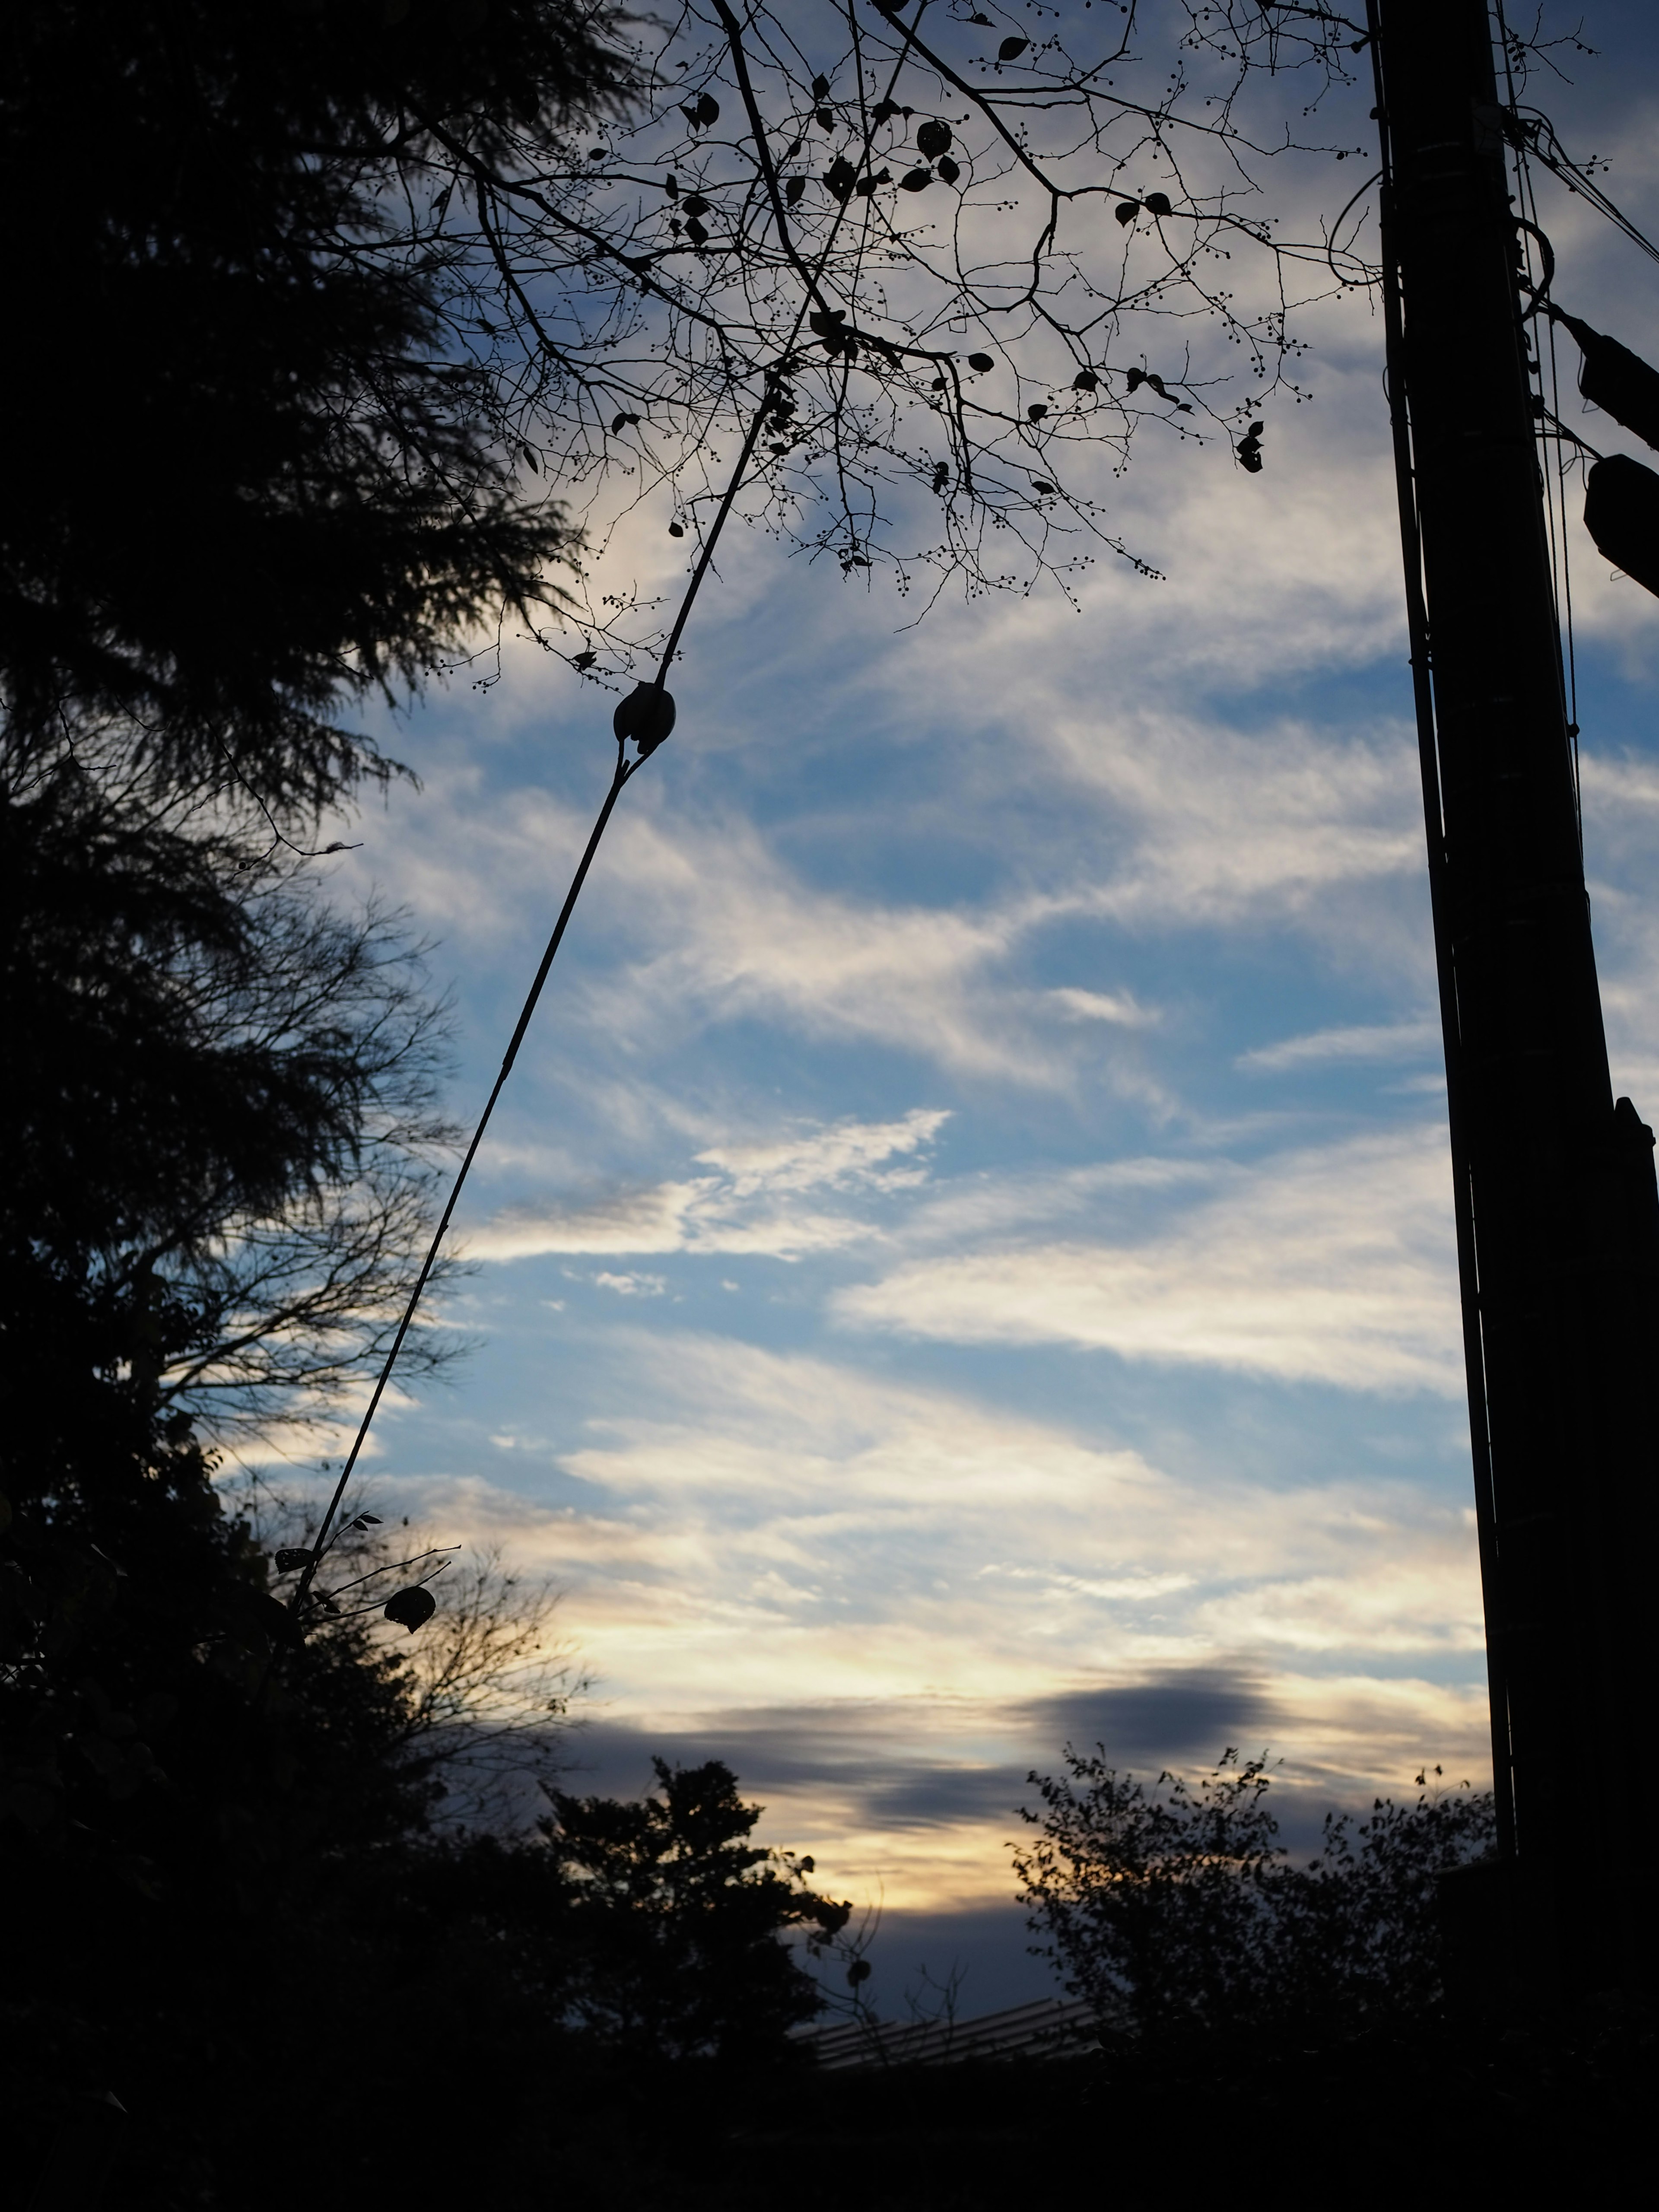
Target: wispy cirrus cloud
x=1120 y=1008
x=1362 y=1042
x=945 y=1591
x=1331 y=1265
x=859 y=1527
x=750 y=1204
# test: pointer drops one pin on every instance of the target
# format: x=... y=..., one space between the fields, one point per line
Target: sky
x=965 y=1263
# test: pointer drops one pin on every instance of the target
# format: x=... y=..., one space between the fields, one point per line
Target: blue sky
x=964 y=1263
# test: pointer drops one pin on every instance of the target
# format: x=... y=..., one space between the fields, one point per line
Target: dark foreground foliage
x=1177 y=1913
x=246 y=474
x=227 y=1903
x=458 y=2104
x=1440 y=2105
x=273 y=1991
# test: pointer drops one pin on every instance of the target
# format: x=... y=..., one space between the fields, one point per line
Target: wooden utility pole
x=1558 y=1220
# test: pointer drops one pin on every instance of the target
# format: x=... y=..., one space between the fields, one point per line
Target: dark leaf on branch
x=709 y=111
x=934 y=139
x=792 y=190
x=1012 y=49
x=824 y=118
x=1158 y=203
x=1137 y=377
x=1085 y=380
x=1036 y=410
x=948 y=169
x=982 y=362
x=676 y=530
x=884 y=110
x=410 y=1608
x=1042 y=484
x=694 y=203
x=292 y=1558
x=1126 y=210
x=583 y=659
x=860 y=1970
x=941 y=476
x=916 y=180
x=1156 y=383
x=820 y=87
x=841 y=176
x=825 y=322
x=696 y=232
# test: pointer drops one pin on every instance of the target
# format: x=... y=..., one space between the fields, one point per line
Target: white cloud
x=1393 y=1040
x=863 y=1528
x=648 y=1220
x=924 y=1572
x=733 y=935
x=848 y=1154
x=1233 y=826
x=735 y=1209
x=697 y=920
x=1333 y=1265
x=1120 y=1007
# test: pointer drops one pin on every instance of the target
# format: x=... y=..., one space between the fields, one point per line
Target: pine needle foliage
x=245 y=476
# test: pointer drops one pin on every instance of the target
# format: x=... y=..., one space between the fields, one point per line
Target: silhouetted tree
x=1176 y=1912
x=200 y=1058
x=222 y=1117
x=486 y=1683
x=678 y=1918
x=247 y=476
x=894 y=266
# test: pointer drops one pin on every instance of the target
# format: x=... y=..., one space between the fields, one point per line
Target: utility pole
x=1557 y=1219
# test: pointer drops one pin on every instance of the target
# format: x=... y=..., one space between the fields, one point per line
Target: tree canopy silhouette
x=680 y=1915
x=247 y=475
x=1176 y=1912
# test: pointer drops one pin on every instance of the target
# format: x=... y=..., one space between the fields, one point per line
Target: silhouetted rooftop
x=1053 y=2026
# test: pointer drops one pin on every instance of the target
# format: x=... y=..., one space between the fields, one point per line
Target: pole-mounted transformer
x=1557 y=1213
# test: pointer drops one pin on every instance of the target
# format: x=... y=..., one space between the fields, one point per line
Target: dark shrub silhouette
x=1175 y=1911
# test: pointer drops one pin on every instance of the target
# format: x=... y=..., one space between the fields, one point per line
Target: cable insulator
x=647 y=715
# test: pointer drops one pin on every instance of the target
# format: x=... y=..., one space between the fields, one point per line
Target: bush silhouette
x=1175 y=1911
